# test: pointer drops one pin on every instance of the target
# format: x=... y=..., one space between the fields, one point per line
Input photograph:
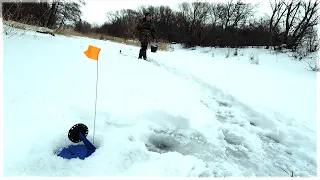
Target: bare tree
x=68 y=13
x=165 y=23
x=308 y=20
x=193 y=17
x=130 y=19
x=312 y=40
x=223 y=13
x=277 y=14
x=83 y=27
x=241 y=12
x=292 y=9
x=52 y=16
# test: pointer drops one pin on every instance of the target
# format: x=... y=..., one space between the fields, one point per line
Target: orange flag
x=92 y=52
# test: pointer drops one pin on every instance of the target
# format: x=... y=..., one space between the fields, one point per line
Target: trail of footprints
x=234 y=143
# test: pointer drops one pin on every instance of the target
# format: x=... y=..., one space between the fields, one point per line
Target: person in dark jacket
x=146 y=32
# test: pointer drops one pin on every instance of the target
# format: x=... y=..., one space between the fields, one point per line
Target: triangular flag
x=92 y=52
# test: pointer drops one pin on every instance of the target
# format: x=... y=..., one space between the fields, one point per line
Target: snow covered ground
x=185 y=113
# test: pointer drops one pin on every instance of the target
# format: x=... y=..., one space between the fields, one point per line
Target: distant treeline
x=57 y=14
x=231 y=24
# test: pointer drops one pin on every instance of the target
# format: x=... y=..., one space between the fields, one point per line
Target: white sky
x=95 y=10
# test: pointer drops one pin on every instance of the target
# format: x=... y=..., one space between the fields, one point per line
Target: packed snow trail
x=150 y=118
x=270 y=141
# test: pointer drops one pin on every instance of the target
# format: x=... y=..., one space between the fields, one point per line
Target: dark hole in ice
x=161 y=143
x=252 y=123
x=162 y=146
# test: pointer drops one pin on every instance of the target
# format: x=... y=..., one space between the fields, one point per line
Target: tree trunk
x=51 y=19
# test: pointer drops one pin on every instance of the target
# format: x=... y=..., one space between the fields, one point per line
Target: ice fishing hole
x=161 y=143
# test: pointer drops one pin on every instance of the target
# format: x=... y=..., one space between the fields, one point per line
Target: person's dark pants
x=143 y=50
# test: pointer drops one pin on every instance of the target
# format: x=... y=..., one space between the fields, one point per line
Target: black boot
x=144 y=54
x=140 y=54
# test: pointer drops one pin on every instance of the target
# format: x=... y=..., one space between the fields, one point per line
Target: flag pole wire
x=95 y=105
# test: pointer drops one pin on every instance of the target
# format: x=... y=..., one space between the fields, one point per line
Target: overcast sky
x=95 y=10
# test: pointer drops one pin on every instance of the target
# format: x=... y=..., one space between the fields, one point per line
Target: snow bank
x=14 y=24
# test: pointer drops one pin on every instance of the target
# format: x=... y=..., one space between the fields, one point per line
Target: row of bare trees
x=197 y=23
x=232 y=24
x=55 y=14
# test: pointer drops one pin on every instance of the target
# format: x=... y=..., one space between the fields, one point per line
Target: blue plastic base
x=75 y=151
x=81 y=151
